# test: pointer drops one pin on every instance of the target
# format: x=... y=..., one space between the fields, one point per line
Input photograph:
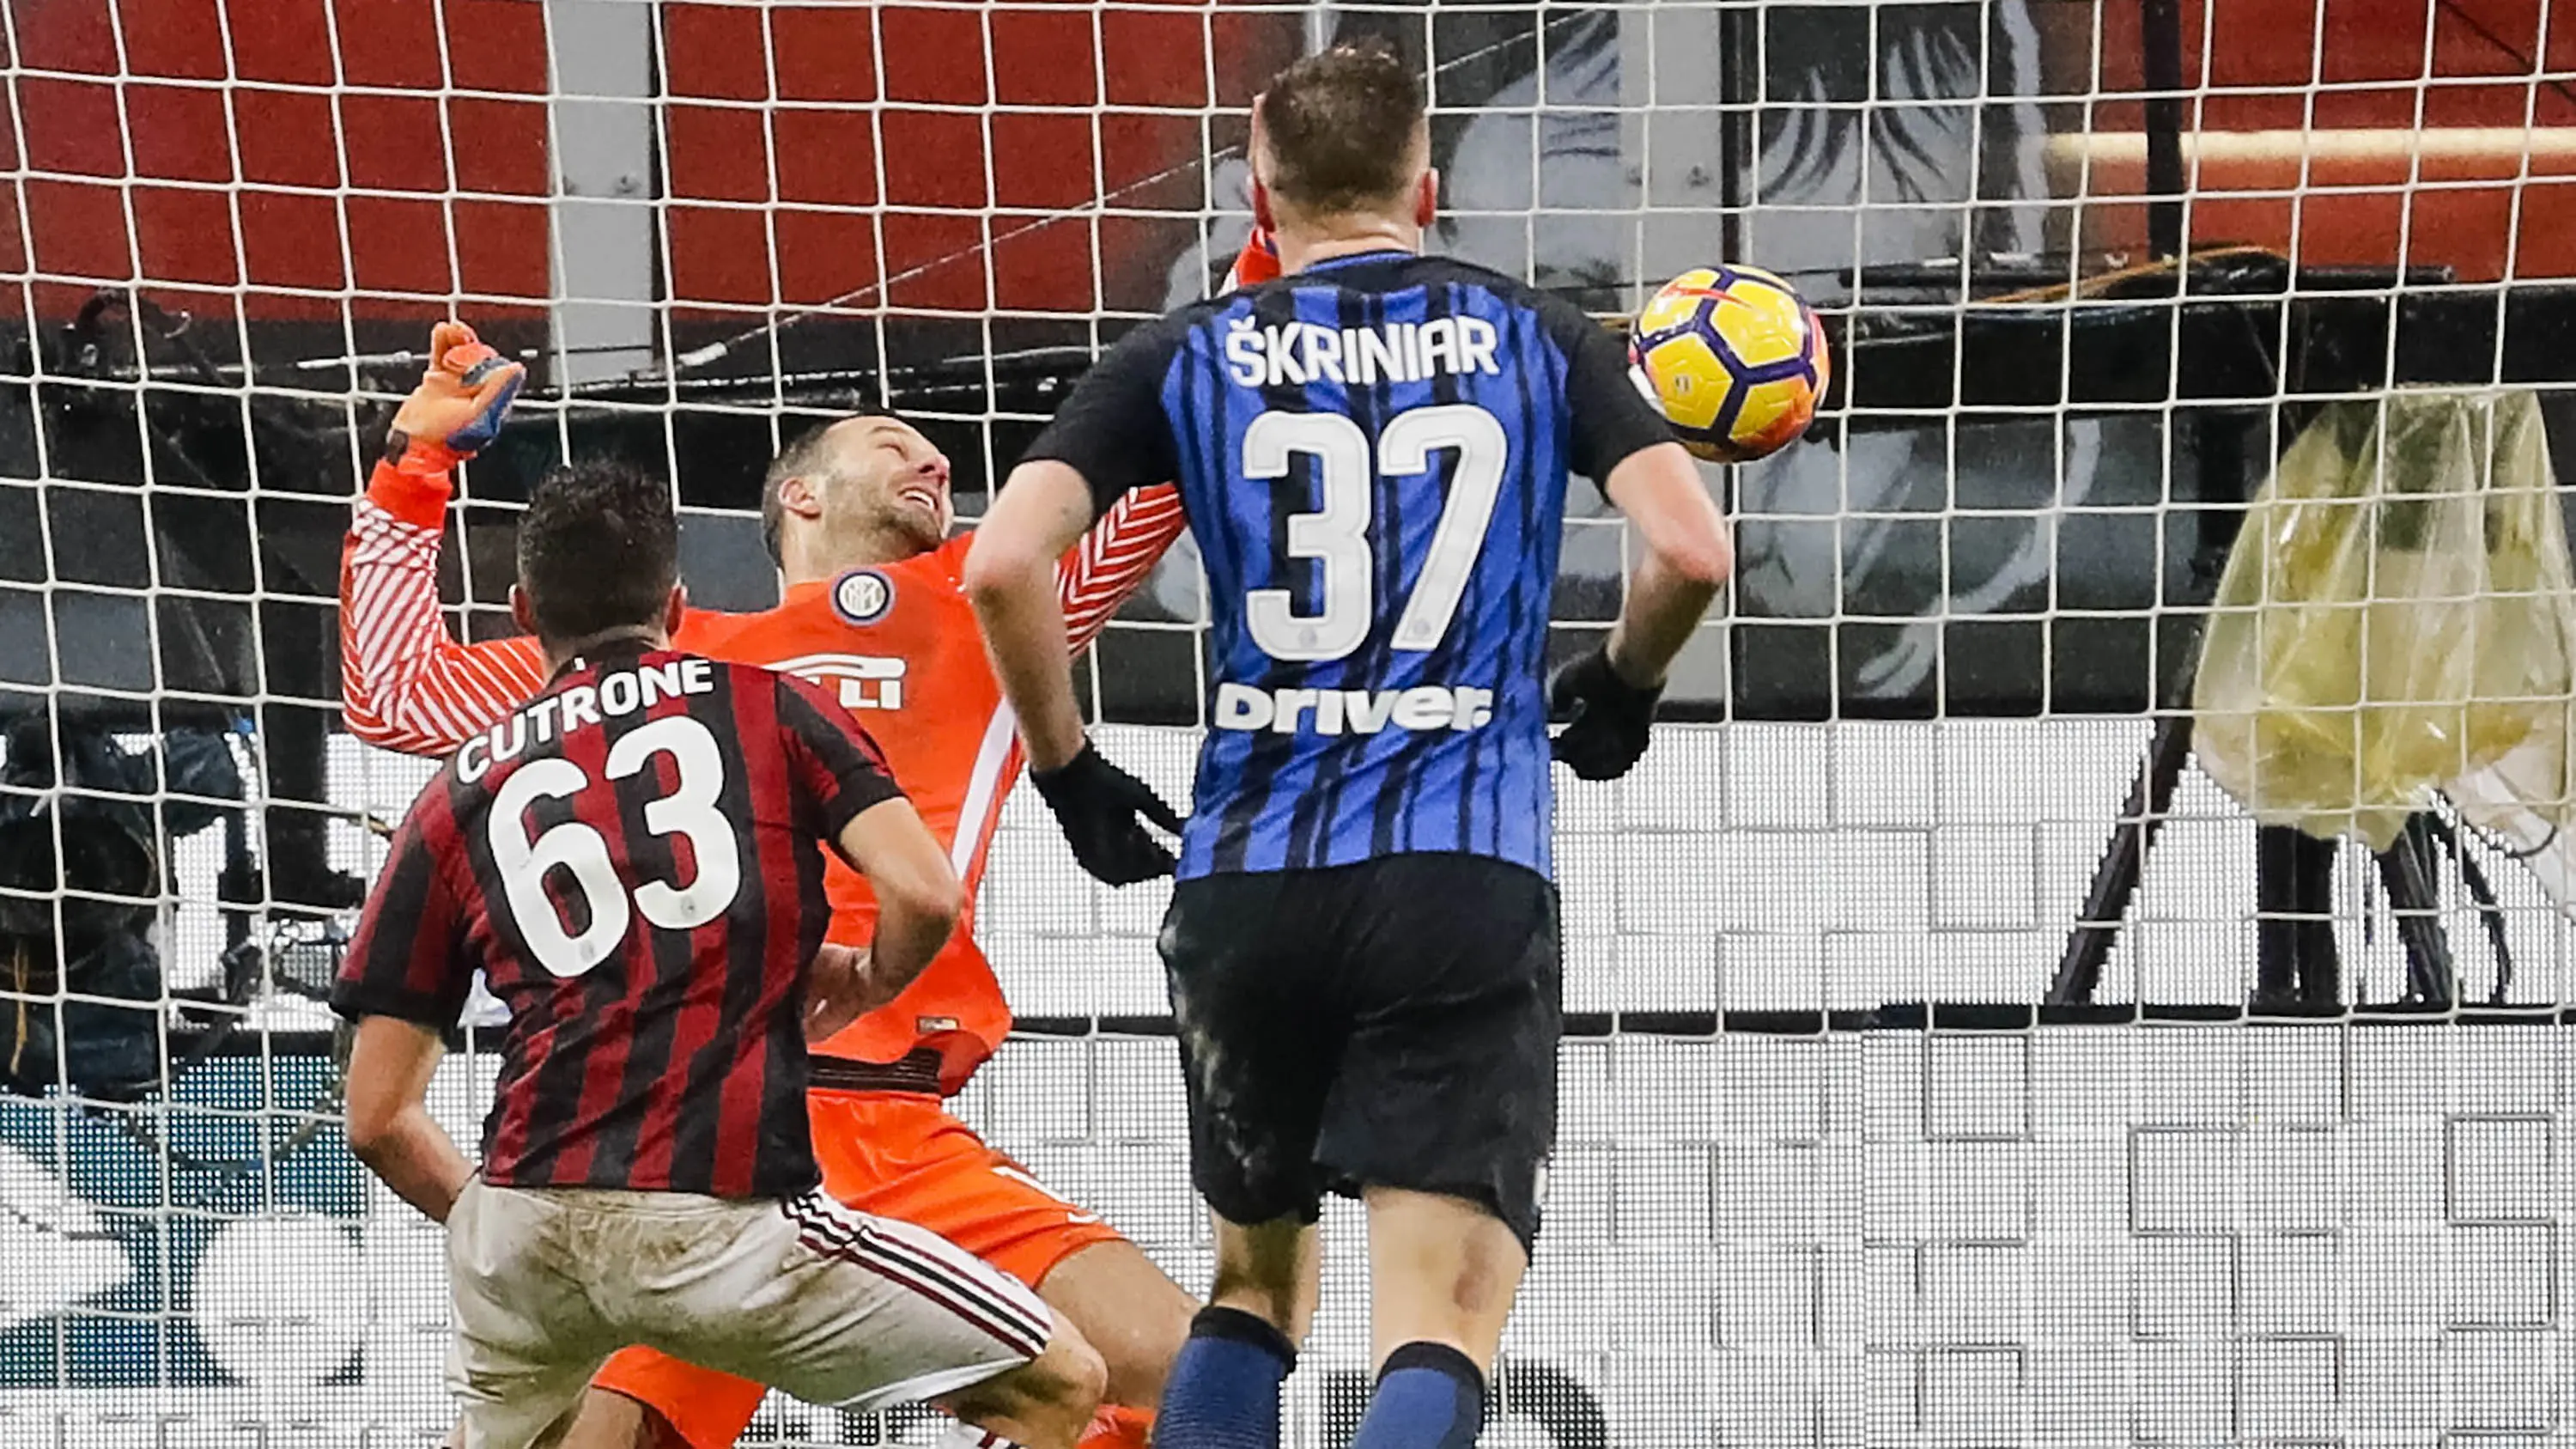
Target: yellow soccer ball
x=1735 y=358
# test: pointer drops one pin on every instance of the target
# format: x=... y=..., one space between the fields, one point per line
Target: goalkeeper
x=857 y=514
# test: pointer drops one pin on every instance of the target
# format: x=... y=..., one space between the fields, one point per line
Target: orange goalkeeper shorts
x=898 y=1155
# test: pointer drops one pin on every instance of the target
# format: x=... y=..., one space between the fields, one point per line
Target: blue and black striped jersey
x=1373 y=454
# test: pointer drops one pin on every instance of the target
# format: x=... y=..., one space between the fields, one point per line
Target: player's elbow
x=941 y=903
x=928 y=895
x=1698 y=553
x=1670 y=512
x=1038 y=514
x=929 y=910
x=377 y=715
x=375 y=1127
x=372 y=1145
x=368 y=727
x=1000 y=567
x=400 y=719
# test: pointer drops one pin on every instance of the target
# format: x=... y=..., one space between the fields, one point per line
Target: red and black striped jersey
x=632 y=859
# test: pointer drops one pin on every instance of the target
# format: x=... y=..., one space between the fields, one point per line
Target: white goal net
x=1918 y=1092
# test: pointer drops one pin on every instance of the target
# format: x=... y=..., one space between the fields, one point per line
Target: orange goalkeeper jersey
x=896 y=641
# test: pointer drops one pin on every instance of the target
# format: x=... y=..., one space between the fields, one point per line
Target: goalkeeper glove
x=1608 y=718
x=459 y=405
x=1097 y=804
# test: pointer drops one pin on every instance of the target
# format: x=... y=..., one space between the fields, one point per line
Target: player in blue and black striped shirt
x=1373 y=451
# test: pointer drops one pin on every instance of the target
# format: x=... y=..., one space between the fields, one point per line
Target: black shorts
x=1388 y=1024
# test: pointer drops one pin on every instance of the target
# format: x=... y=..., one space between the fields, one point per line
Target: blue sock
x=1428 y=1397
x=1223 y=1391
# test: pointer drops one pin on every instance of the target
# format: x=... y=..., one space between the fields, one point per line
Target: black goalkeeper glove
x=1608 y=718
x=1097 y=804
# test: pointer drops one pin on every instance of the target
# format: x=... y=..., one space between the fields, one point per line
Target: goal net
x=1950 y=1061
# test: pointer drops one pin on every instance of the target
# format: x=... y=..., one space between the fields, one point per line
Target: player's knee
x=1137 y=1358
x=1072 y=1373
x=1136 y=1316
x=1062 y=1385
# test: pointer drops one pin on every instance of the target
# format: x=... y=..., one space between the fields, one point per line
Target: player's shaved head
x=1343 y=131
x=599 y=551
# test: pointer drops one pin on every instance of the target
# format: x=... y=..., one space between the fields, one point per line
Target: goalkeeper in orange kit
x=858 y=516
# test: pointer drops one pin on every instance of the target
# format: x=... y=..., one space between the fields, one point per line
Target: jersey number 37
x=1337 y=535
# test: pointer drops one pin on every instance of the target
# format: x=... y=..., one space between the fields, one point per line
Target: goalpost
x=1847 y=1158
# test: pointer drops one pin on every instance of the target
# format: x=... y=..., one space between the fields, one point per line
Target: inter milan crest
x=862 y=596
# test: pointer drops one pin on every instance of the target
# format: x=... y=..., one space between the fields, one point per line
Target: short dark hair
x=1339 y=125
x=599 y=549
x=802 y=455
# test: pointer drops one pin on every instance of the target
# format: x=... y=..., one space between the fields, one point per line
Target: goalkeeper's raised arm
x=405 y=683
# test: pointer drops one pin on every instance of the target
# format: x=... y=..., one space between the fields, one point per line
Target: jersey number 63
x=689 y=811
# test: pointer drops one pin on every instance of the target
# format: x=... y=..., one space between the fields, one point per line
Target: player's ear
x=798 y=495
x=1426 y=198
x=523 y=610
x=675 y=609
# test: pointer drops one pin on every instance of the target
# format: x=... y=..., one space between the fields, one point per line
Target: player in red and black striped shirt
x=632 y=860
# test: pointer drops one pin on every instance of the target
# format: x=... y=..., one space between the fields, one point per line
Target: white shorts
x=832 y=1305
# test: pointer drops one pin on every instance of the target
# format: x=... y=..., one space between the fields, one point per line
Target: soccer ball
x=1735 y=359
